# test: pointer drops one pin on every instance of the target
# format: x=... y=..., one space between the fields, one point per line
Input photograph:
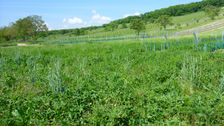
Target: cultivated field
x=114 y=83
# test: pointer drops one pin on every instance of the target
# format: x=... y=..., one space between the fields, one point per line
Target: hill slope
x=183 y=25
x=149 y=17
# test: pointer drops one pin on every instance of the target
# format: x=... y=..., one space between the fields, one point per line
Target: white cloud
x=94 y=20
x=73 y=21
x=134 y=14
x=99 y=19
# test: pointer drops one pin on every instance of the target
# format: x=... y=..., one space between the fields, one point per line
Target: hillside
x=216 y=25
x=150 y=17
x=182 y=25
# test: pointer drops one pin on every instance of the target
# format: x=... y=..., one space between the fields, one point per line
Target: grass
x=122 y=83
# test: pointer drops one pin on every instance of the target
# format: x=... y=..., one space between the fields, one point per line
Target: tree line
x=177 y=10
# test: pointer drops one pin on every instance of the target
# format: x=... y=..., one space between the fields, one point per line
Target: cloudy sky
x=62 y=14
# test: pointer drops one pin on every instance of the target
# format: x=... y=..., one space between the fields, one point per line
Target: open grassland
x=119 y=83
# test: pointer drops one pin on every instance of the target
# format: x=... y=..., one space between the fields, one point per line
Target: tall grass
x=55 y=77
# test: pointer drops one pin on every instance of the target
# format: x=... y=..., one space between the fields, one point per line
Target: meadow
x=114 y=83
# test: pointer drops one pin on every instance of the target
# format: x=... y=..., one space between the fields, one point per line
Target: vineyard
x=116 y=83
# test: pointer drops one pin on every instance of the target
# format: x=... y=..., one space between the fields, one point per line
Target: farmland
x=121 y=83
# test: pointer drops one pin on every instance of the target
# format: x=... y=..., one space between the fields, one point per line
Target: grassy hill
x=180 y=24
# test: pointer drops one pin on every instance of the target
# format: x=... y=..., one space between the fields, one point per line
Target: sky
x=65 y=14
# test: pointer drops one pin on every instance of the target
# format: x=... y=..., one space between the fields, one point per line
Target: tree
x=30 y=26
x=138 y=25
x=212 y=11
x=4 y=34
x=23 y=28
x=217 y=3
x=110 y=27
x=123 y=25
x=164 y=20
x=7 y=33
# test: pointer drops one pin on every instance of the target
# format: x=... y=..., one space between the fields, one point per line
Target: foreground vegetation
x=111 y=84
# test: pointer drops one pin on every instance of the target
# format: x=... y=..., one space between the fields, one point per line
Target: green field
x=122 y=83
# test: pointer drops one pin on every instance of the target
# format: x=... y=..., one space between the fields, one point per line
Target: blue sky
x=60 y=14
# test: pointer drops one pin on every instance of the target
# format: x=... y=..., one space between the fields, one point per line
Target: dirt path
x=22 y=44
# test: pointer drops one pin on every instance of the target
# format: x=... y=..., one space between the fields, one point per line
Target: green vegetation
x=164 y=20
x=212 y=11
x=24 y=29
x=178 y=10
x=128 y=83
